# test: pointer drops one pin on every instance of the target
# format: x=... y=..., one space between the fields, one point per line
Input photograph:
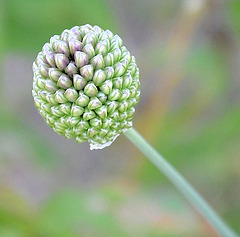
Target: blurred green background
x=188 y=53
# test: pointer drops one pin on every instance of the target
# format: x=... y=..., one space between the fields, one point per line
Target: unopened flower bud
x=86 y=84
x=61 y=61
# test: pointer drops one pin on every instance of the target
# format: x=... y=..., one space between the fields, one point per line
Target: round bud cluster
x=86 y=84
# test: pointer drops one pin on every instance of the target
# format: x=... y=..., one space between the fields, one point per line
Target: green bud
x=94 y=103
x=101 y=48
x=125 y=95
x=56 y=111
x=65 y=108
x=43 y=69
x=76 y=110
x=116 y=54
x=114 y=95
x=72 y=121
x=79 y=82
x=123 y=106
x=64 y=81
x=90 y=38
x=81 y=59
x=118 y=82
x=71 y=94
x=60 y=97
x=109 y=71
x=96 y=122
x=109 y=59
x=99 y=77
x=101 y=111
x=54 y=74
x=83 y=125
x=107 y=123
x=88 y=114
x=112 y=106
x=119 y=69
x=102 y=97
x=127 y=81
x=92 y=131
x=90 y=89
x=89 y=50
x=51 y=99
x=106 y=87
x=82 y=100
x=87 y=72
x=41 y=82
x=97 y=61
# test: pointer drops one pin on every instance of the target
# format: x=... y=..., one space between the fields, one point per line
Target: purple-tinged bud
x=75 y=31
x=87 y=72
x=77 y=110
x=81 y=59
x=106 y=87
x=82 y=100
x=64 y=82
x=50 y=86
x=61 y=47
x=99 y=77
x=90 y=90
x=71 y=69
x=54 y=74
x=89 y=50
x=64 y=35
x=117 y=41
x=83 y=124
x=109 y=72
x=59 y=96
x=61 y=61
x=71 y=95
x=97 y=61
x=79 y=82
x=50 y=59
x=74 y=45
x=97 y=30
x=94 y=103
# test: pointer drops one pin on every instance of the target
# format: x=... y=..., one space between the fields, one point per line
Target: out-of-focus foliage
x=188 y=53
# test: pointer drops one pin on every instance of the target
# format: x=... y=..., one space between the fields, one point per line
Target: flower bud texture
x=86 y=84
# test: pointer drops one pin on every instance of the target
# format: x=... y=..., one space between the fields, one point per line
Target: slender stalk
x=183 y=186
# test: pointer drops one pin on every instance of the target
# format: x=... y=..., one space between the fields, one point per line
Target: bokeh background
x=188 y=52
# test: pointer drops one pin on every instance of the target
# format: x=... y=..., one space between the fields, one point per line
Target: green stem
x=184 y=187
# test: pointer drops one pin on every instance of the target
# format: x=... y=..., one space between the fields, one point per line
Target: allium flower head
x=86 y=84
